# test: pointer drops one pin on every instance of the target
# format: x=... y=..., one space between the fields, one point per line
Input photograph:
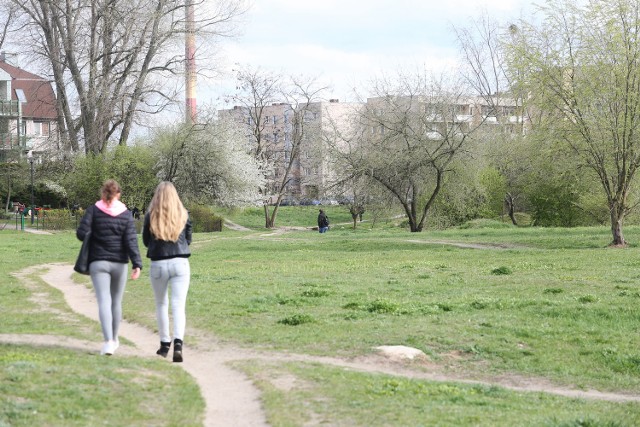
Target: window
x=20 y=95
x=41 y=128
x=461 y=109
x=509 y=111
x=488 y=110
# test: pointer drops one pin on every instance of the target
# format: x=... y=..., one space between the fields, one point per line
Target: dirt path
x=231 y=399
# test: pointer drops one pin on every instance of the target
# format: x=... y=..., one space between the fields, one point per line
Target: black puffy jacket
x=162 y=249
x=113 y=238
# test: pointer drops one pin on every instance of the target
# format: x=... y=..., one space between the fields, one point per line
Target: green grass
x=314 y=393
x=553 y=304
x=56 y=387
x=289 y=216
x=43 y=386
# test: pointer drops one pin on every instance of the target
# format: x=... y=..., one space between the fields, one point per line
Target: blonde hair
x=167 y=215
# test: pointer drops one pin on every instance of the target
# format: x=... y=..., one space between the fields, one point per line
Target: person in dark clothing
x=167 y=235
x=113 y=243
x=323 y=222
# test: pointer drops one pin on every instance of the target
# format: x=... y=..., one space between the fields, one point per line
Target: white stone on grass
x=400 y=352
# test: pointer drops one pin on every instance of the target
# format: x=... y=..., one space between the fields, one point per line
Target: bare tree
x=112 y=60
x=279 y=115
x=406 y=138
x=486 y=70
x=10 y=25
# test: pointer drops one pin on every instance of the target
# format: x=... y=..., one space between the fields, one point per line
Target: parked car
x=345 y=200
x=288 y=202
x=309 y=202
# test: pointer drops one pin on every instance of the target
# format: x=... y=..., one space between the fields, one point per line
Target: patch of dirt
x=231 y=399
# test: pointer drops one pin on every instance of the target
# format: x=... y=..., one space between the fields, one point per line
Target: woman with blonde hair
x=167 y=236
x=112 y=244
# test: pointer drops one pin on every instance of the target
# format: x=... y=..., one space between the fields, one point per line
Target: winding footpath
x=231 y=398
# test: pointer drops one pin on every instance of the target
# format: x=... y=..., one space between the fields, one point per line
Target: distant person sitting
x=323 y=222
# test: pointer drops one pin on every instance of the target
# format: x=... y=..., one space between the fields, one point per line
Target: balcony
x=10 y=108
x=9 y=141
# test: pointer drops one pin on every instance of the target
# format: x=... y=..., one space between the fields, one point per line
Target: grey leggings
x=109 y=279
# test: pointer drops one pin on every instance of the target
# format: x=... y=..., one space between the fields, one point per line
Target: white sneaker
x=109 y=348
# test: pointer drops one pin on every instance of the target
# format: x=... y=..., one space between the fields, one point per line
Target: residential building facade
x=27 y=110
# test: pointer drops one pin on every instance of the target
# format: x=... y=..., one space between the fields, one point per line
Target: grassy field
x=43 y=386
x=483 y=302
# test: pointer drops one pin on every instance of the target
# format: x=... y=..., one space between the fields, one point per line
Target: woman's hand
x=135 y=273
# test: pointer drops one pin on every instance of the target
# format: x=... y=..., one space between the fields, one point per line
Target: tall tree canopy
x=112 y=60
x=580 y=66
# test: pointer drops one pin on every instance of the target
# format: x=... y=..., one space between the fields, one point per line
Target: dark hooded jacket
x=113 y=236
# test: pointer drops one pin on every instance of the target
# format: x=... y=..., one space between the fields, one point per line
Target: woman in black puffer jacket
x=113 y=243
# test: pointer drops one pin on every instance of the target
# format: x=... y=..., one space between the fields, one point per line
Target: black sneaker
x=164 y=348
x=177 y=350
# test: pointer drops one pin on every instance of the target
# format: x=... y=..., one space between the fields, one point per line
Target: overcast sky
x=345 y=42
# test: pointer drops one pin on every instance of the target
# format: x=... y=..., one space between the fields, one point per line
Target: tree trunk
x=268 y=223
x=414 y=226
x=270 y=217
x=6 y=209
x=511 y=207
x=617 y=219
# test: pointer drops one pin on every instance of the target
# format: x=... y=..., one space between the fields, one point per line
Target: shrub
x=204 y=220
x=58 y=219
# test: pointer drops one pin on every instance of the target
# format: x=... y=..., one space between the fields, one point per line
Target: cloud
x=349 y=41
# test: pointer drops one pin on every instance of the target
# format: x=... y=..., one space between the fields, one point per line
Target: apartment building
x=332 y=121
x=268 y=130
x=279 y=128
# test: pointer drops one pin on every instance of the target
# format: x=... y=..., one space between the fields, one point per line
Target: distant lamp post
x=30 y=158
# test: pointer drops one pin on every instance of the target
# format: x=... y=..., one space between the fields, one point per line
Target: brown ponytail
x=110 y=189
